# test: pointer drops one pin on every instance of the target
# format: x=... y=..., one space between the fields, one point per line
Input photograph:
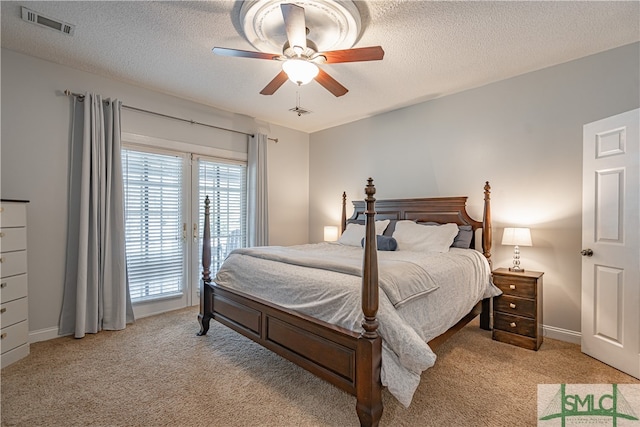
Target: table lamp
x=516 y=237
x=330 y=233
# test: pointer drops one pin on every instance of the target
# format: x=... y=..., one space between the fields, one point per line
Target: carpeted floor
x=159 y=373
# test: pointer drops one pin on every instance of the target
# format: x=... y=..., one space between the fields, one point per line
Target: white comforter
x=409 y=316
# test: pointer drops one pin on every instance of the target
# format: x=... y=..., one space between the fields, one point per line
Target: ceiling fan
x=300 y=55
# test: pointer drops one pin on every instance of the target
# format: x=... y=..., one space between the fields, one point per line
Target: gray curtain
x=96 y=293
x=257 y=207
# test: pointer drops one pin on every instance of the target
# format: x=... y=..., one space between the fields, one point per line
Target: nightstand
x=517 y=313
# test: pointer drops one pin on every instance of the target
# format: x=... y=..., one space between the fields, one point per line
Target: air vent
x=46 y=21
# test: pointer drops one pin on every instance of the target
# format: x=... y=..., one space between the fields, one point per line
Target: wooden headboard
x=436 y=209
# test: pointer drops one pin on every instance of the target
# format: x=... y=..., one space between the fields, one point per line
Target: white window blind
x=226 y=186
x=153 y=222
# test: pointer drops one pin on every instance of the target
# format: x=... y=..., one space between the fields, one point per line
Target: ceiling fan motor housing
x=308 y=53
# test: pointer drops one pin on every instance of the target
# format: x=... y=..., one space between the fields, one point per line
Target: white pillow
x=424 y=238
x=354 y=233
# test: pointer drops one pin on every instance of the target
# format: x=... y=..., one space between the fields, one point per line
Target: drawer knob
x=512 y=305
x=3 y=285
x=3 y=336
x=3 y=309
x=513 y=324
x=512 y=286
x=1 y=234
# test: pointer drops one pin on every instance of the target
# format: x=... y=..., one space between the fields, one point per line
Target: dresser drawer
x=14 y=336
x=515 y=305
x=13 y=239
x=520 y=287
x=13 y=287
x=13 y=215
x=13 y=312
x=13 y=263
x=515 y=324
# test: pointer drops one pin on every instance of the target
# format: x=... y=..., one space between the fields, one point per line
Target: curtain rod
x=193 y=122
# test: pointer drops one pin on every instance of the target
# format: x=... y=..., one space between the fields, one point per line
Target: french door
x=164 y=214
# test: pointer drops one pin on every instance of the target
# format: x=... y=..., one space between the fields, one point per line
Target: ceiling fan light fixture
x=300 y=71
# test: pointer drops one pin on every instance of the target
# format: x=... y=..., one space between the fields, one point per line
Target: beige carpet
x=159 y=373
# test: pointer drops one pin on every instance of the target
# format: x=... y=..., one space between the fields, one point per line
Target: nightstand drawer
x=515 y=324
x=520 y=287
x=515 y=305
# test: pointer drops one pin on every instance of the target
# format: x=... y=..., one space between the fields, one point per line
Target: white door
x=611 y=241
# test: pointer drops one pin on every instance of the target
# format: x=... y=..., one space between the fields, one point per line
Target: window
x=154 y=225
x=225 y=185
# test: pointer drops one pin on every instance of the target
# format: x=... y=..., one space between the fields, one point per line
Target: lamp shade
x=517 y=237
x=300 y=71
x=330 y=233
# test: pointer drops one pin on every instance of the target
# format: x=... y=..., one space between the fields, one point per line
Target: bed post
x=486 y=223
x=368 y=385
x=204 y=316
x=485 y=321
x=343 y=219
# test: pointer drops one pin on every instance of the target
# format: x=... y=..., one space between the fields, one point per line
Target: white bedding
x=459 y=279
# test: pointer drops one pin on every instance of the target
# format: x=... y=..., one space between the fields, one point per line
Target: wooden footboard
x=347 y=359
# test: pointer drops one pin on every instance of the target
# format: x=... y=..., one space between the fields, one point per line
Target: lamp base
x=516 y=269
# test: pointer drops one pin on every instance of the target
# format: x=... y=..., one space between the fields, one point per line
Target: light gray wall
x=524 y=135
x=35 y=149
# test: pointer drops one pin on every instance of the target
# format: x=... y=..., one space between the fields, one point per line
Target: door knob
x=586 y=252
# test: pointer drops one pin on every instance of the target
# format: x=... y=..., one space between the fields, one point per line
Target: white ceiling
x=431 y=49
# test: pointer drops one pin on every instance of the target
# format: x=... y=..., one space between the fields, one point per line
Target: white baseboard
x=562 y=334
x=51 y=333
x=44 y=335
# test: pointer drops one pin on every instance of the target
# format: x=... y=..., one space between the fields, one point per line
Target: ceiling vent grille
x=46 y=21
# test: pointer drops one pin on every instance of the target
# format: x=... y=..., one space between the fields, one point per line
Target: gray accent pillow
x=463 y=239
x=384 y=243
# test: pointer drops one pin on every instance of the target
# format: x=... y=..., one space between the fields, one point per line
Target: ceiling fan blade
x=373 y=53
x=223 y=51
x=330 y=83
x=295 y=26
x=275 y=84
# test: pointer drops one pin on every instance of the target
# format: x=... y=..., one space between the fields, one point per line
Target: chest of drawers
x=517 y=313
x=14 y=307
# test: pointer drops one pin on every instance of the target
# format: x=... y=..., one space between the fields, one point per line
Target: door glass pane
x=225 y=185
x=153 y=223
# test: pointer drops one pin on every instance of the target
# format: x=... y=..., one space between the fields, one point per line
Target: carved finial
x=487 y=189
x=370 y=189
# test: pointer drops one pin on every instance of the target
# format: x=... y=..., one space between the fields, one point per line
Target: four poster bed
x=358 y=357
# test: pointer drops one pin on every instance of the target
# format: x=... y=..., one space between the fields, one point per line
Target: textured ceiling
x=432 y=49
